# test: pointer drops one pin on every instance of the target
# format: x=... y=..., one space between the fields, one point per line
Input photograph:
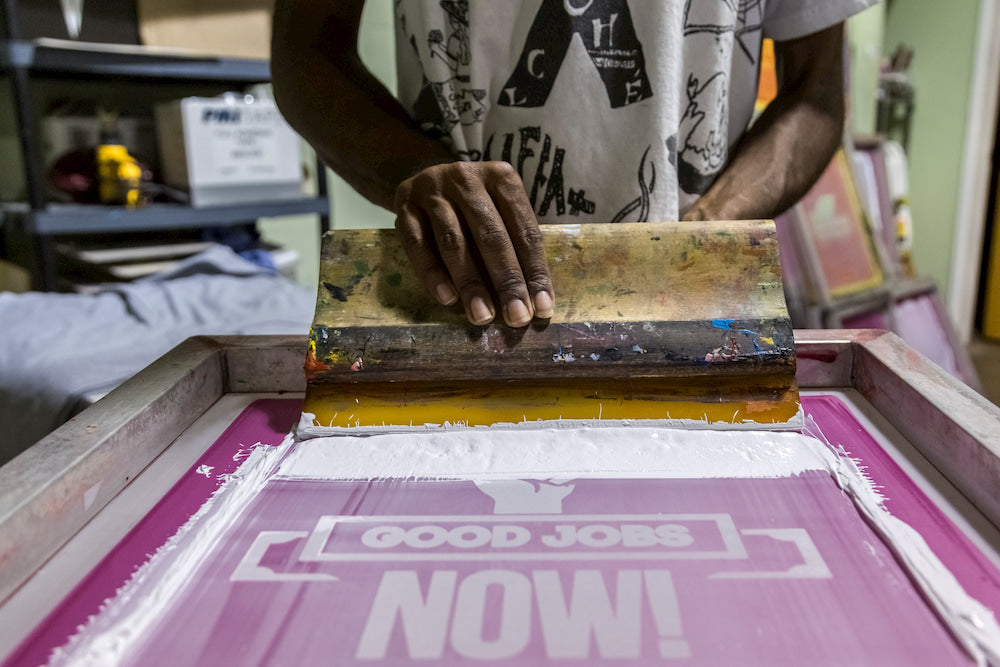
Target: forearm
x=327 y=94
x=786 y=150
x=777 y=162
x=467 y=228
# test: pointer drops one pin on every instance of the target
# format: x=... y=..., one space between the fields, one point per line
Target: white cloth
x=59 y=352
x=611 y=110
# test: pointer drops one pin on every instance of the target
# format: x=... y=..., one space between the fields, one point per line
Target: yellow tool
x=120 y=175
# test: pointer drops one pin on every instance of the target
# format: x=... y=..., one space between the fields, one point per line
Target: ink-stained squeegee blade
x=667 y=320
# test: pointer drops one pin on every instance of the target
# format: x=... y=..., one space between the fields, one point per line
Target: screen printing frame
x=49 y=492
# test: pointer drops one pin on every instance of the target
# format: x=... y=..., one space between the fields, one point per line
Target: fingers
x=469 y=231
x=417 y=239
x=516 y=212
x=456 y=249
x=494 y=246
x=440 y=250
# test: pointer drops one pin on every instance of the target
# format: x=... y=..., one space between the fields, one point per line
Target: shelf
x=28 y=229
x=905 y=288
x=59 y=219
x=63 y=57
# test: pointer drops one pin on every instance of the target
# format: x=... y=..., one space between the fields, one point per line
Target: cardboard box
x=240 y=29
x=228 y=150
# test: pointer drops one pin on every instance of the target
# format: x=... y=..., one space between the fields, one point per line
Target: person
x=563 y=111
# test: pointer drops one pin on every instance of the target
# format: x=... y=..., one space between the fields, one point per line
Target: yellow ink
x=770 y=400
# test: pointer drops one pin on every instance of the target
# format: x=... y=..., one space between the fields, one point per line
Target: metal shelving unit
x=27 y=228
x=63 y=57
x=57 y=219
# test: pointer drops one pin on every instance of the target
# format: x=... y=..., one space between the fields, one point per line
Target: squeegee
x=680 y=322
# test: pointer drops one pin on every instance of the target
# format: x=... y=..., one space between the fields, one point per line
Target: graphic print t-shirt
x=611 y=110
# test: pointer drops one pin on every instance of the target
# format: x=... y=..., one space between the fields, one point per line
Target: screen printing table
x=66 y=502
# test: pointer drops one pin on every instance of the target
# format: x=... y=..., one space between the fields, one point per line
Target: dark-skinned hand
x=469 y=231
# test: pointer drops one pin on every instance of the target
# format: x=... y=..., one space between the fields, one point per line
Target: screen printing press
x=176 y=521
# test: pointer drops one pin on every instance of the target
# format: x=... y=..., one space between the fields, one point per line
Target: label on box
x=238 y=143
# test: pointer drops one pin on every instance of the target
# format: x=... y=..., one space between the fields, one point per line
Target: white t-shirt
x=611 y=110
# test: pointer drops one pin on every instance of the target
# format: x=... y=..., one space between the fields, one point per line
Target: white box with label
x=228 y=150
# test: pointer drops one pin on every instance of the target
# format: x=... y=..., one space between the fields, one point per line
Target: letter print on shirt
x=711 y=27
x=740 y=17
x=442 y=104
x=646 y=185
x=615 y=55
x=609 y=36
x=704 y=133
x=547 y=166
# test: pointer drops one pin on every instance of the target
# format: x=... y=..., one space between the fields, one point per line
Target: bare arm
x=785 y=151
x=467 y=228
x=327 y=94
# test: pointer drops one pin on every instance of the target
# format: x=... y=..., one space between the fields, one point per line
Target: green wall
x=865 y=32
x=942 y=36
x=377 y=46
